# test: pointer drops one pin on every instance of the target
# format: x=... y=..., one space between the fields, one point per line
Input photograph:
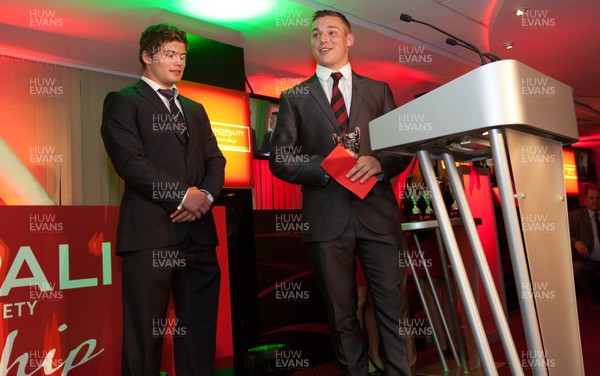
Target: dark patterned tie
x=178 y=116
x=337 y=103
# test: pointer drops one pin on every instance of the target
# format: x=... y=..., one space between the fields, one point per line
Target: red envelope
x=338 y=163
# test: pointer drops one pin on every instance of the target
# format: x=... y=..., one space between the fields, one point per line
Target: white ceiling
x=105 y=34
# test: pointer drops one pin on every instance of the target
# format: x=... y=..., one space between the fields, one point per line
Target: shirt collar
x=591 y=213
x=324 y=73
x=155 y=86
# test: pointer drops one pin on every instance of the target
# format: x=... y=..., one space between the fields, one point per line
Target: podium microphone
x=406 y=18
x=490 y=56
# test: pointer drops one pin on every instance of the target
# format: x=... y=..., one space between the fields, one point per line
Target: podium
x=521 y=118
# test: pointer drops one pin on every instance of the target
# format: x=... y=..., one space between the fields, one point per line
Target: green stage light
x=223 y=11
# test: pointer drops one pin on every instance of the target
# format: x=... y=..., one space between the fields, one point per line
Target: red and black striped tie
x=337 y=103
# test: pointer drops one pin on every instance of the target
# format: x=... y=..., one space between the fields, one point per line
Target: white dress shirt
x=345 y=84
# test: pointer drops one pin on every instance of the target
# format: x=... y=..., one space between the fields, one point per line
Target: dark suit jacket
x=580 y=227
x=304 y=130
x=158 y=166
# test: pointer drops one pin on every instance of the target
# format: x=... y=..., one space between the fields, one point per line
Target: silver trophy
x=349 y=141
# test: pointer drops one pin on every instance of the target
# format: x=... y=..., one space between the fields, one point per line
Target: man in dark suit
x=584 y=226
x=162 y=145
x=342 y=225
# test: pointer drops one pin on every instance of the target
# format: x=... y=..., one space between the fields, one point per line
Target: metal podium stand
x=458 y=354
x=465 y=120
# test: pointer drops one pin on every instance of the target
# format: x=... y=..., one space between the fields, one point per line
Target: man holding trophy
x=342 y=225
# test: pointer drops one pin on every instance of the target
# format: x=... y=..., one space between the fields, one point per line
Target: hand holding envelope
x=338 y=163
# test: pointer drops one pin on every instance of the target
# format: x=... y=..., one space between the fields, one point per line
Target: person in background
x=162 y=146
x=266 y=145
x=584 y=226
x=336 y=101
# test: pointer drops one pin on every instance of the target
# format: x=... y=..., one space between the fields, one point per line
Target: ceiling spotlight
x=519 y=11
x=507 y=45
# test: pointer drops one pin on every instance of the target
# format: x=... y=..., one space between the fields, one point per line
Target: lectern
x=512 y=113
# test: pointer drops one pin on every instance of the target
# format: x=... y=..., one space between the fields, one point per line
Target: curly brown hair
x=156 y=35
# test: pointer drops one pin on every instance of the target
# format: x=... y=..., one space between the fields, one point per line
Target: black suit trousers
x=585 y=271
x=334 y=266
x=191 y=274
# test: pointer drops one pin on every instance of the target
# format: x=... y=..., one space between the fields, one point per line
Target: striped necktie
x=337 y=103
x=178 y=116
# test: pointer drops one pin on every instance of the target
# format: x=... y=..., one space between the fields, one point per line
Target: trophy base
x=428 y=217
x=414 y=217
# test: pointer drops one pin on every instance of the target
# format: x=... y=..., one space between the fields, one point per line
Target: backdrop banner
x=61 y=292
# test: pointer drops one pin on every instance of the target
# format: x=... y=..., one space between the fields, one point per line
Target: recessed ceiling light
x=508 y=45
x=520 y=11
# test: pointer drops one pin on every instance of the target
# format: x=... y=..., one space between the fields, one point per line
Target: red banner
x=61 y=292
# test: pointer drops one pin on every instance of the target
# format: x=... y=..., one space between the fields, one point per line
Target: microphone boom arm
x=490 y=56
x=406 y=18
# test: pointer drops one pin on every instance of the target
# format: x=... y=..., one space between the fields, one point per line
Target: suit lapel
x=146 y=91
x=153 y=97
x=316 y=91
x=358 y=92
